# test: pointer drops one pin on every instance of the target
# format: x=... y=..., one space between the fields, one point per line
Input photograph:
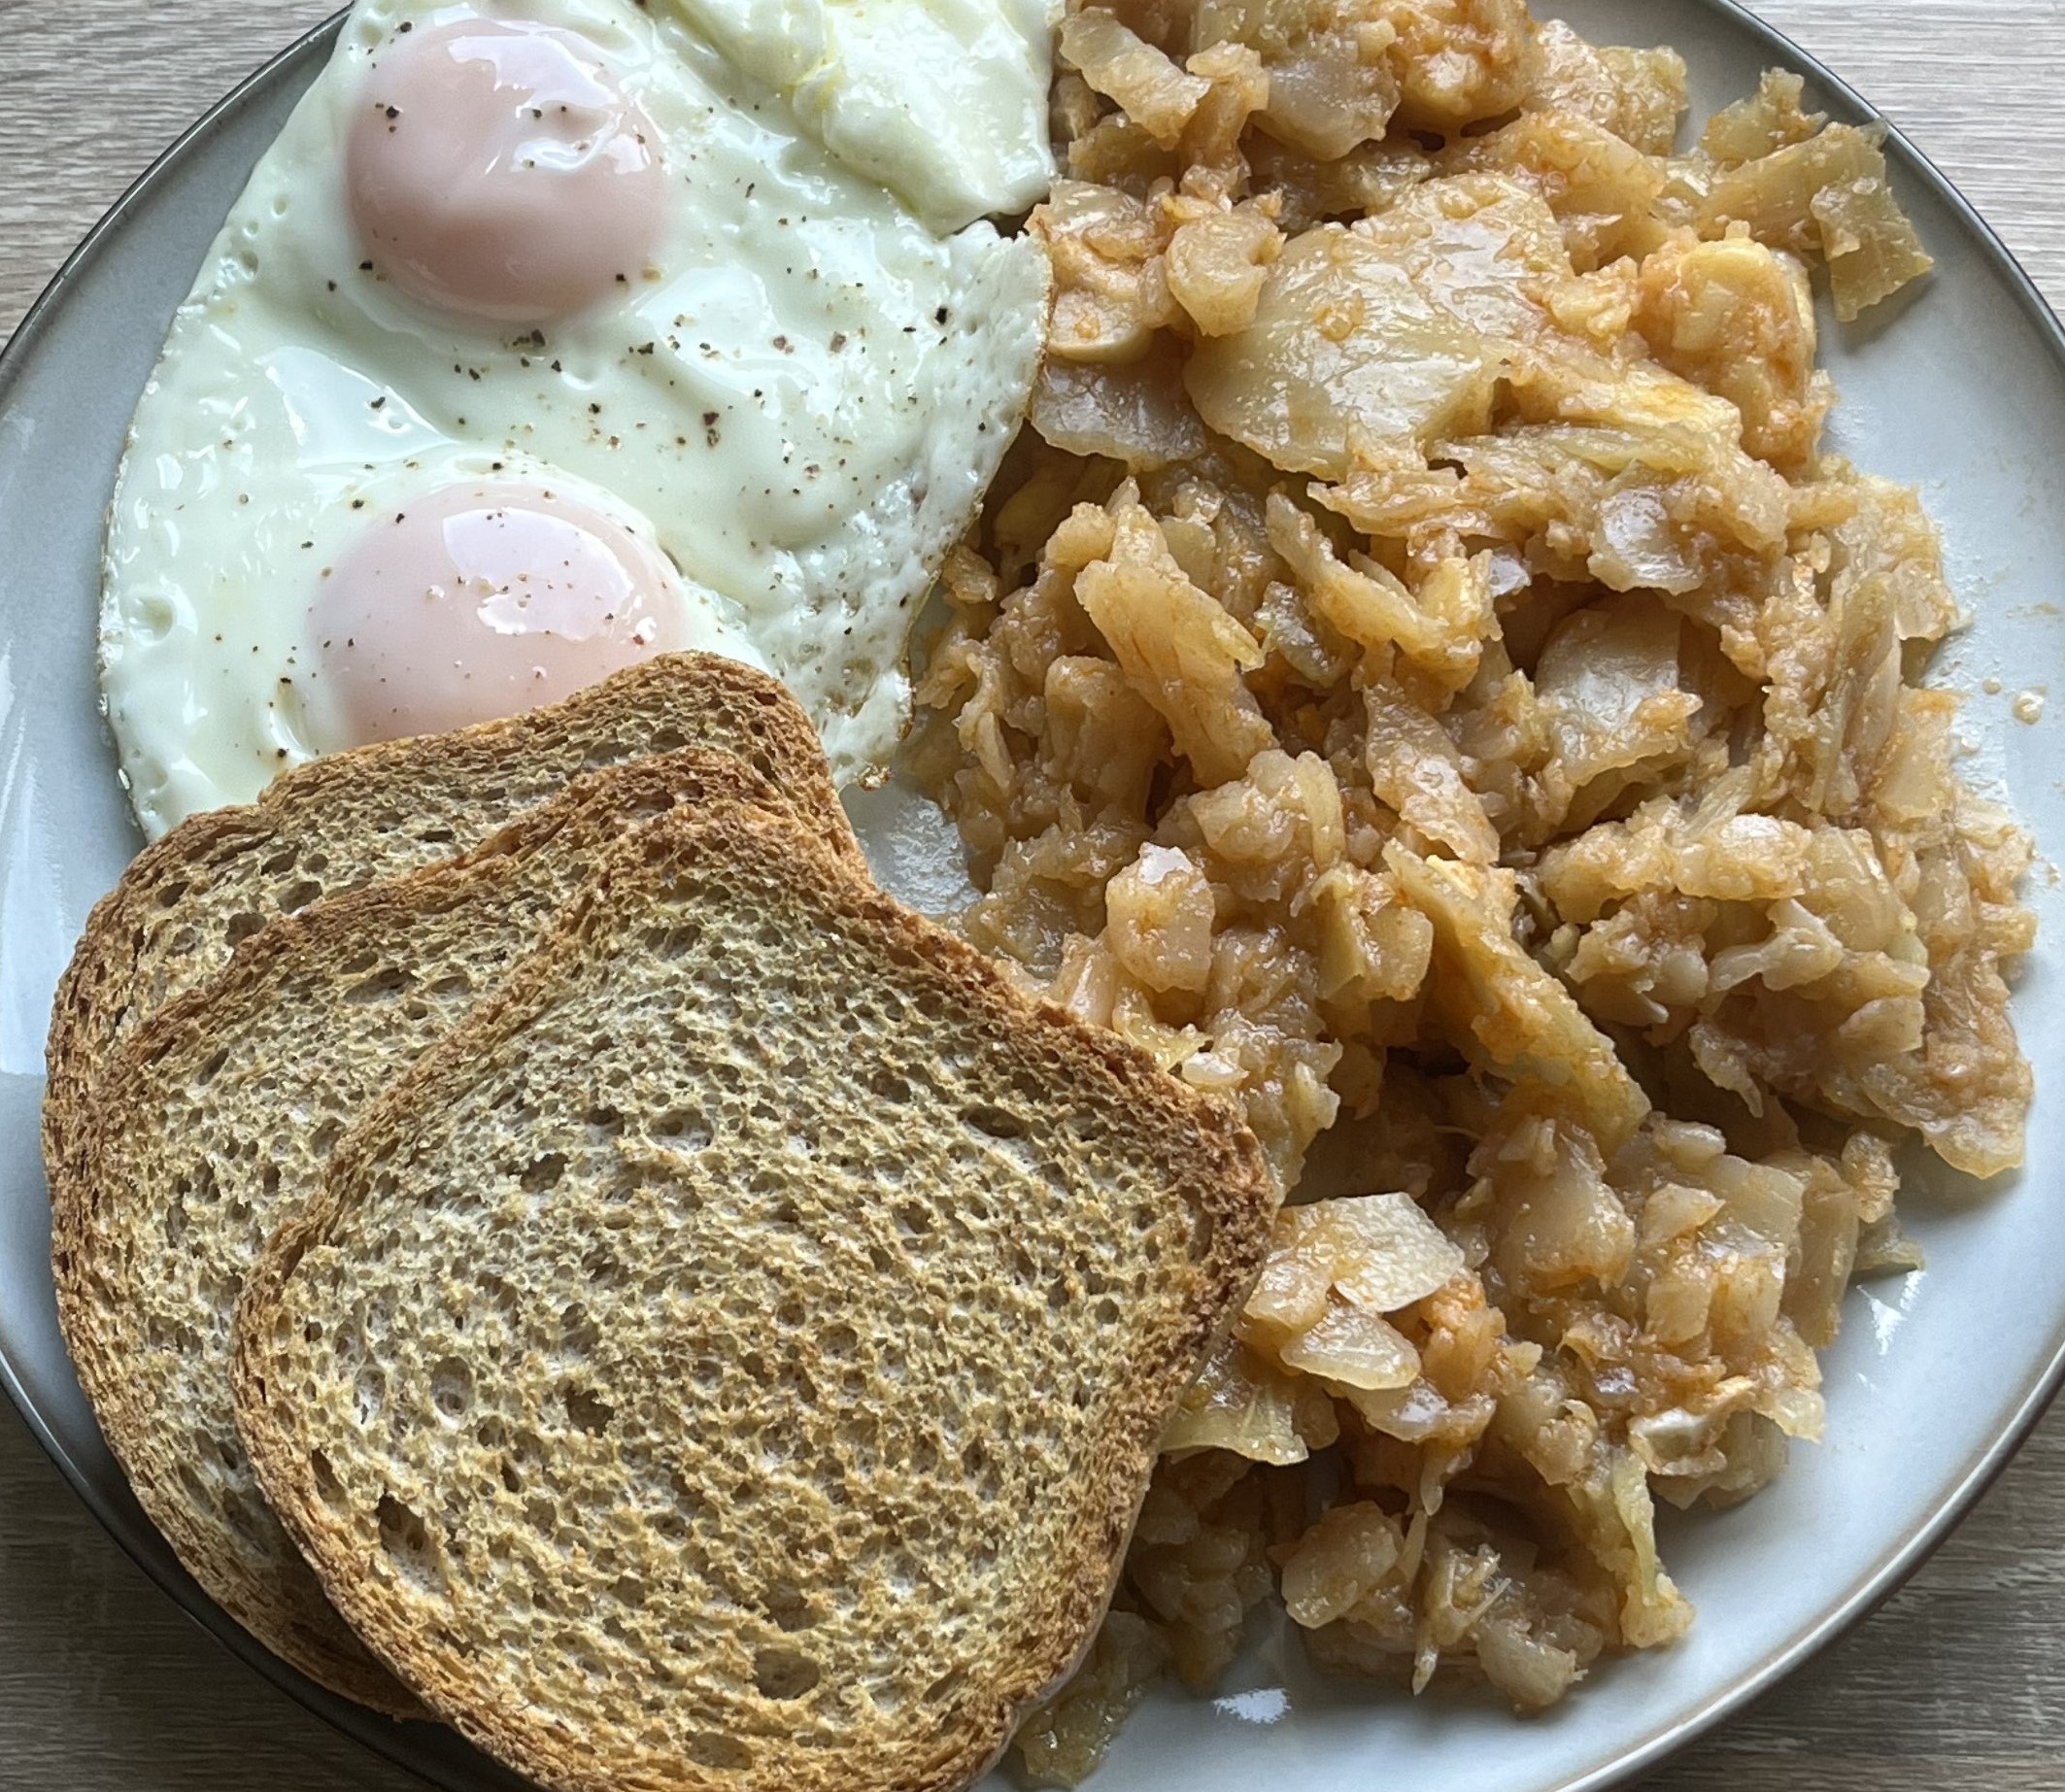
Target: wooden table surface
x=106 y=1687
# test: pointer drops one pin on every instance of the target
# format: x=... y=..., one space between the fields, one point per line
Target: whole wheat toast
x=772 y=1317
x=213 y=1123
x=381 y=811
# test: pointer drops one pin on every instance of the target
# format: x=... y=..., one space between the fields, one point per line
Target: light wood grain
x=105 y=1687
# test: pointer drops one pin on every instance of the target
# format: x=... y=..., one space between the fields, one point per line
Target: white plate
x=1961 y=390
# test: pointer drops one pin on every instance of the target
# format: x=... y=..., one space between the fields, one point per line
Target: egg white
x=802 y=399
x=944 y=102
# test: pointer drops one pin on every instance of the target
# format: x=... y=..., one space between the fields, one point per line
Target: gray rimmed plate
x=1961 y=390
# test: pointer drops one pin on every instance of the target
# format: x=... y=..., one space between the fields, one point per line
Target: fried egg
x=549 y=337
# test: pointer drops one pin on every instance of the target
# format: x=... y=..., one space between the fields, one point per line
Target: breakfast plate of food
x=1137 y=893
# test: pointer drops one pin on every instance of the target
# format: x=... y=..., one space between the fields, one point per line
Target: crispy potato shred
x=1422 y=678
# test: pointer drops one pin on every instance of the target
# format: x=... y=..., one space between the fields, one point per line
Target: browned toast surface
x=382 y=811
x=213 y=1123
x=734 y=1356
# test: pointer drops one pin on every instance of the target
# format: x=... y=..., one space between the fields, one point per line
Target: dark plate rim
x=1905 y=1554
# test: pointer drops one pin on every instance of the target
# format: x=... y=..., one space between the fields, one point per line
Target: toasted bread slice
x=734 y=1358
x=380 y=812
x=213 y=1122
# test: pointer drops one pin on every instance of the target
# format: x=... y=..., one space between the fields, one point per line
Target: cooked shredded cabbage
x=1423 y=678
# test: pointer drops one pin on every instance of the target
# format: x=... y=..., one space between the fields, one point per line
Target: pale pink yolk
x=484 y=600
x=498 y=170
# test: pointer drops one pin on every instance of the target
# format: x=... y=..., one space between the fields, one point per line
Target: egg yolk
x=483 y=601
x=497 y=170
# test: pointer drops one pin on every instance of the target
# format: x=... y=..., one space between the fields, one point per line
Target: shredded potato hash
x=1421 y=677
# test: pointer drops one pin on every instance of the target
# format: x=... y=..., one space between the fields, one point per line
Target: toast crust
x=1193 y=1172
x=382 y=811
x=154 y=1223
